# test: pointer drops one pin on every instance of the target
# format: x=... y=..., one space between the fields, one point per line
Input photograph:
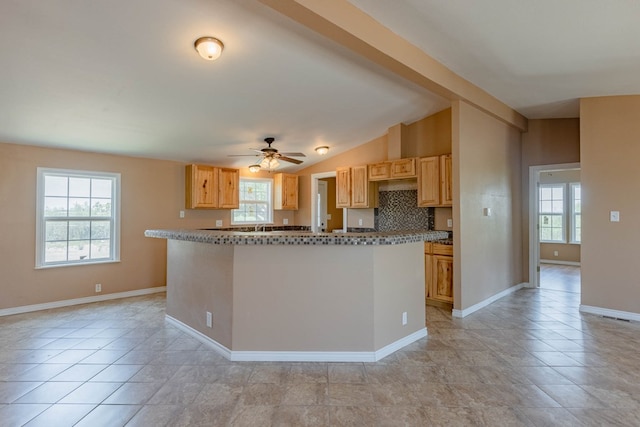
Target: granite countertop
x=297 y=237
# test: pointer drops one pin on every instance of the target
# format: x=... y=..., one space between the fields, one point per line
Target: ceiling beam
x=349 y=26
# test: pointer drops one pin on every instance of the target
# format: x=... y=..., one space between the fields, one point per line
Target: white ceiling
x=122 y=76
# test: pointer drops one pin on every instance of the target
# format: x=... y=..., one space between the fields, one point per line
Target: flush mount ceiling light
x=254 y=168
x=209 y=48
x=322 y=150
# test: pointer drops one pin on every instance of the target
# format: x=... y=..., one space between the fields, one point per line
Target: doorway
x=325 y=217
x=555 y=227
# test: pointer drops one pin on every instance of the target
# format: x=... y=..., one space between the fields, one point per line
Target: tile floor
x=560 y=277
x=529 y=359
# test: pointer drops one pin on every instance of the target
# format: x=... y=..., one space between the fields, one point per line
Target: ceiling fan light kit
x=271 y=158
x=209 y=48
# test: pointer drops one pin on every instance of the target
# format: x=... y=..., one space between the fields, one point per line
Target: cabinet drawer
x=380 y=171
x=403 y=168
x=441 y=249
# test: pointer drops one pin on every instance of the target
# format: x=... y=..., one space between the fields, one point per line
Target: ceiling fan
x=270 y=157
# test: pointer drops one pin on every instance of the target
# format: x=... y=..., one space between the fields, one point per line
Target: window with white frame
x=576 y=212
x=552 y=213
x=256 y=206
x=77 y=217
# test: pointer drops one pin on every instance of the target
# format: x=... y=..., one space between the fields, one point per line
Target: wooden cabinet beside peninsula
x=353 y=189
x=285 y=194
x=210 y=187
x=438 y=264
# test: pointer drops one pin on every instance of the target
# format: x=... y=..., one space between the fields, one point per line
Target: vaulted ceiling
x=122 y=76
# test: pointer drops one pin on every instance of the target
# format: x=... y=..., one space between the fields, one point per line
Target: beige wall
x=152 y=196
x=609 y=152
x=547 y=142
x=486 y=174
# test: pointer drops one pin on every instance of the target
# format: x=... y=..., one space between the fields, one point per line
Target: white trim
x=76 y=301
x=483 y=304
x=215 y=345
x=534 y=236
x=298 y=356
x=552 y=261
x=617 y=314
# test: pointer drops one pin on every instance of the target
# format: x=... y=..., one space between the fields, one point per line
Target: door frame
x=314 y=207
x=534 y=235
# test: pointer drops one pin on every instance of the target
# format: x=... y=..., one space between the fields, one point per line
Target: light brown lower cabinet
x=438 y=274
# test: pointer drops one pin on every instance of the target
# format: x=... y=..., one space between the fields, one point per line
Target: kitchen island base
x=298 y=302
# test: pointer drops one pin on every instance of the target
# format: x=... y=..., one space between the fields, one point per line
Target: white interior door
x=322 y=206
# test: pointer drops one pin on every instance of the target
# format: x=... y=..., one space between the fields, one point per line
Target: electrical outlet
x=181 y=214
x=614 y=216
x=98 y=287
x=359 y=221
x=404 y=318
x=449 y=222
x=555 y=253
x=209 y=319
x=285 y=221
x=218 y=223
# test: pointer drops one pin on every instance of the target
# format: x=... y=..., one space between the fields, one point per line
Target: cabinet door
x=201 y=190
x=446 y=192
x=359 y=187
x=343 y=187
x=429 y=181
x=379 y=171
x=442 y=278
x=285 y=191
x=229 y=188
x=428 y=273
x=403 y=168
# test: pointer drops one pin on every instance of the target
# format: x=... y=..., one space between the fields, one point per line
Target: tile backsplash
x=398 y=210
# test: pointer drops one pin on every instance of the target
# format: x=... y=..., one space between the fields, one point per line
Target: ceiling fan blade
x=290 y=160
x=243 y=155
x=293 y=154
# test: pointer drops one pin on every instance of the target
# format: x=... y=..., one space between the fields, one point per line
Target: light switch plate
x=285 y=221
x=181 y=214
x=218 y=223
x=614 y=216
x=449 y=223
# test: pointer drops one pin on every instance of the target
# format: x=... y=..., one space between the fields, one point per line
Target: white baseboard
x=76 y=301
x=298 y=356
x=483 y=304
x=553 y=261
x=607 y=312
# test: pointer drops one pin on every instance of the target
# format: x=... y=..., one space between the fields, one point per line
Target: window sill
x=76 y=264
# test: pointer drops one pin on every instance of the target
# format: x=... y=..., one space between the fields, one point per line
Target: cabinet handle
x=204 y=185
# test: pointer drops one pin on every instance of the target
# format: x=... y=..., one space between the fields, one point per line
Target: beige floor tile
x=61 y=415
x=108 y=416
x=49 y=392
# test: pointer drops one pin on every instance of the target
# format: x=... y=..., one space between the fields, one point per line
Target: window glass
x=255 y=202
x=77 y=217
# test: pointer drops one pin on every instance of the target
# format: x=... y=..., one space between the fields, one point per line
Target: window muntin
x=77 y=217
x=552 y=213
x=576 y=212
x=256 y=202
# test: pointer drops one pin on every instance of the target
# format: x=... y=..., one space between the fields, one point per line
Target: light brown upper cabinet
x=434 y=181
x=229 y=188
x=209 y=187
x=446 y=190
x=393 y=169
x=353 y=189
x=403 y=168
x=285 y=191
x=380 y=171
x=343 y=187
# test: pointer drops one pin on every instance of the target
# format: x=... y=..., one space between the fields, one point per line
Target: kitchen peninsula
x=295 y=295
